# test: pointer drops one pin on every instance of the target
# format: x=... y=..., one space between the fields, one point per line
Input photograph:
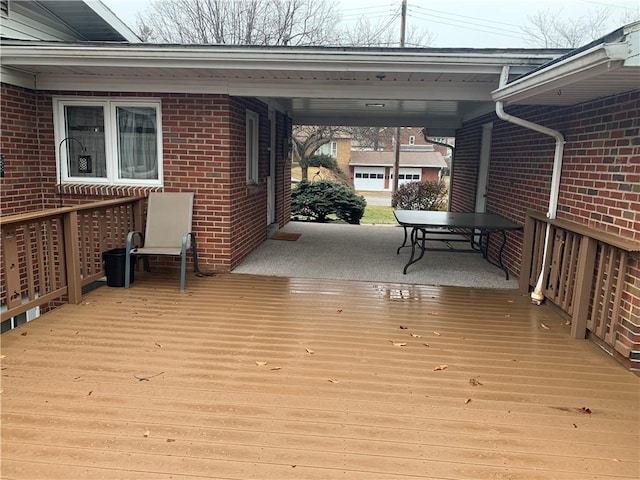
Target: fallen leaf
x=146 y=433
x=415 y=335
x=507 y=315
x=436 y=333
x=440 y=367
x=467 y=400
x=276 y=368
x=426 y=345
x=339 y=310
x=509 y=301
x=584 y=410
x=261 y=364
x=567 y=323
x=615 y=459
x=575 y=426
x=474 y=382
x=402 y=327
x=398 y=344
x=3 y=356
x=542 y=325
x=24 y=334
x=309 y=351
x=333 y=380
x=158 y=345
x=434 y=313
x=90 y=392
x=169 y=440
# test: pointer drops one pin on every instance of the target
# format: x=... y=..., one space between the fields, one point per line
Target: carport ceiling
x=437 y=88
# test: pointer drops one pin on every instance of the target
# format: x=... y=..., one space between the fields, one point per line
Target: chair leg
x=183 y=270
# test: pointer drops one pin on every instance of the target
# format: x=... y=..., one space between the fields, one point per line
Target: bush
x=420 y=196
x=318 y=200
x=326 y=161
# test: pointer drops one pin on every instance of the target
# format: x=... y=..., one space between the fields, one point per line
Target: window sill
x=106 y=190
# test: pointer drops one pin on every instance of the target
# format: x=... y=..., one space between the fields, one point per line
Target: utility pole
x=396 y=163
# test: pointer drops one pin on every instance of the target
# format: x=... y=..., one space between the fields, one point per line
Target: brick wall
x=21 y=186
x=204 y=152
x=600 y=184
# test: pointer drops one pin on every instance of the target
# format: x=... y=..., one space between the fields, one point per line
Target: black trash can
x=114 y=266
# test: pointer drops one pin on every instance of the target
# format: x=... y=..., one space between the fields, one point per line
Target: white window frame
x=110 y=138
x=334 y=149
x=252 y=144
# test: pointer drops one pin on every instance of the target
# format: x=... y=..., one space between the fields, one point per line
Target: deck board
x=72 y=406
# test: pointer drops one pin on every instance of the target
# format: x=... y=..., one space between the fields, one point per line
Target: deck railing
x=50 y=255
x=586 y=274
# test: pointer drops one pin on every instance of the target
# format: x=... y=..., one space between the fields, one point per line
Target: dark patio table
x=447 y=227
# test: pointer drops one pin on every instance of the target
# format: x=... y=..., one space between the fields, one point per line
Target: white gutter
x=537 y=296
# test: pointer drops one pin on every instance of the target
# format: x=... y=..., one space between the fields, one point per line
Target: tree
x=551 y=29
x=374 y=138
x=240 y=22
x=384 y=33
x=307 y=139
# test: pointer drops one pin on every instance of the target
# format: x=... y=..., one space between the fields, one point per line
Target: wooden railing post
x=527 y=254
x=72 y=256
x=138 y=215
x=584 y=283
x=11 y=270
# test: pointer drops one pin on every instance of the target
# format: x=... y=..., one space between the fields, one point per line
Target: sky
x=455 y=23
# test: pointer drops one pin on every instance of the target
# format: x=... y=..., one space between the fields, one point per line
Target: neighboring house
x=340 y=149
x=216 y=120
x=373 y=171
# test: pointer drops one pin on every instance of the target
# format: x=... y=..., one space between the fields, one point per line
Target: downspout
x=537 y=296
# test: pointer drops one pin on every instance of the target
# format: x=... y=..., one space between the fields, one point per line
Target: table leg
x=414 y=242
x=404 y=242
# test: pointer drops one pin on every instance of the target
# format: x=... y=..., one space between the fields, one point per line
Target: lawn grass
x=375 y=214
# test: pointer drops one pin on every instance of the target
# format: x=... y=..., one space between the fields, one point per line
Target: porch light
x=375 y=105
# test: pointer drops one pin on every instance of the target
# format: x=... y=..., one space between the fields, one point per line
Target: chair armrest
x=130 y=238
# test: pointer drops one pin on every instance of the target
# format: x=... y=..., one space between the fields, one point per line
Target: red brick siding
x=19 y=143
x=430 y=175
x=600 y=184
x=203 y=152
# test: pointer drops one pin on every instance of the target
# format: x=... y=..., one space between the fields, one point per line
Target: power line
x=370 y=7
x=465 y=25
x=431 y=15
x=463 y=16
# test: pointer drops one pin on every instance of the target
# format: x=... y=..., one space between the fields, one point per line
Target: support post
x=72 y=256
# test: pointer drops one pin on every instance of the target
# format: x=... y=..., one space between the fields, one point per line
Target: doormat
x=291 y=237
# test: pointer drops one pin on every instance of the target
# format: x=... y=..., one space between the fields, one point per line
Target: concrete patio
x=366 y=252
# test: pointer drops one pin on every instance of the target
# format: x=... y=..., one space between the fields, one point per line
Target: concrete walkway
x=366 y=253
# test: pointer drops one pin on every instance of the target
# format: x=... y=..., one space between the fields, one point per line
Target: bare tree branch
x=552 y=29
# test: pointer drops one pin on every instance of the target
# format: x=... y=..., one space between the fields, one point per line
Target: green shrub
x=318 y=200
x=420 y=196
x=326 y=161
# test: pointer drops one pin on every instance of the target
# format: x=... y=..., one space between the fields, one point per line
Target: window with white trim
x=108 y=141
x=252 y=146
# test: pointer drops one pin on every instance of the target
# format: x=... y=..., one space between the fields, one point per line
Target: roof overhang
x=604 y=69
x=439 y=88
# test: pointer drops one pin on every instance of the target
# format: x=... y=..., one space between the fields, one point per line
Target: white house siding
x=28 y=21
x=368 y=178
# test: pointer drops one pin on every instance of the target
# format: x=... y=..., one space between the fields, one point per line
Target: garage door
x=409 y=175
x=368 y=178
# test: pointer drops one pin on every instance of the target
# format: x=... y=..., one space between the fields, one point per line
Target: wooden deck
x=148 y=383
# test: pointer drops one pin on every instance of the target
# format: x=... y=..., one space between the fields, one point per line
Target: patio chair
x=168 y=232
